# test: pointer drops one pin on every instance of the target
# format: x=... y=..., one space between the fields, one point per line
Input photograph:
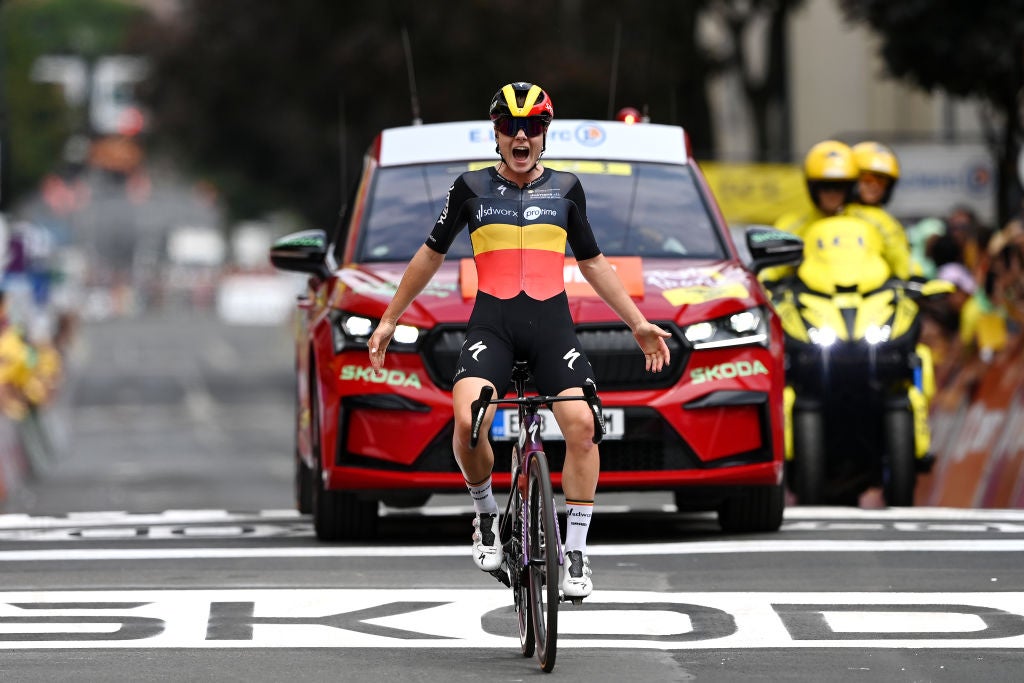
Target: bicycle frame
x=529 y=442
x=520 y=569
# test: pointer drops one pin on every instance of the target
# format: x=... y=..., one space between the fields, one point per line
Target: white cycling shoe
x=576 y=581
x=487 y=551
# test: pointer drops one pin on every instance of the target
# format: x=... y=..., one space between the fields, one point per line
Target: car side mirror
x=770 y=247
x=302 y=252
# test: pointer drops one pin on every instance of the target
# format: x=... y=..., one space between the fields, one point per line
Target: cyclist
x=520 y=216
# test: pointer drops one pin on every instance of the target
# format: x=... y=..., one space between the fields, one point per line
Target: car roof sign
x=567 y=139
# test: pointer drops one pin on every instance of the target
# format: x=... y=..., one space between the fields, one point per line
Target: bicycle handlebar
x=479 y=409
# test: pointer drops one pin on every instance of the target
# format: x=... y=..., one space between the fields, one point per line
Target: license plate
x=506 y=425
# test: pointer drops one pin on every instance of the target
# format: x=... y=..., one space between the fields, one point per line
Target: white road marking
x=928 y=513
x=108 y=517
x=686 y=548
x=794 y=516
x=454 y=618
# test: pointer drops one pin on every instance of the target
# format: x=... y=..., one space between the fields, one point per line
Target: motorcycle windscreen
x=842 y=253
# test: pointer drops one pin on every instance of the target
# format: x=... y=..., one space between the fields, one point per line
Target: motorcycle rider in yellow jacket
x=879 y=172
x=832 y=174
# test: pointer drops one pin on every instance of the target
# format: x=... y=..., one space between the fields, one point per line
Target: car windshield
x=635 y=209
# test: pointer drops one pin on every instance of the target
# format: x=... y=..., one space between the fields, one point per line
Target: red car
x=709 y=428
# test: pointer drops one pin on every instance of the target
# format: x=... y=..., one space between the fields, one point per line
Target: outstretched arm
x=422 y=267
x=651 y=338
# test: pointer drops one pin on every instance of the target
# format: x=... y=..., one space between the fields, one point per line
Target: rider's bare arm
x=421 y=269
x=651 y=338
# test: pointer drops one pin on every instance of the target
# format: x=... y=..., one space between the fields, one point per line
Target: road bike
x=529 y=531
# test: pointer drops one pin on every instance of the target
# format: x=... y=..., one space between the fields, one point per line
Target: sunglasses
x=531 y=125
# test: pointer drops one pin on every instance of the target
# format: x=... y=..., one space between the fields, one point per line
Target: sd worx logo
x=485 y=211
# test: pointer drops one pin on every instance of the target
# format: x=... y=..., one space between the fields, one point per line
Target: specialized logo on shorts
x=571 y=357
x=532 y=213
x=476 y=349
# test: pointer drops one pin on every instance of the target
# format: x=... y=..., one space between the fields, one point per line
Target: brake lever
x=594 y=401
x=479 y=409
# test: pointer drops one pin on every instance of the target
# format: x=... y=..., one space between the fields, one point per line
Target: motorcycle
x=858 y=380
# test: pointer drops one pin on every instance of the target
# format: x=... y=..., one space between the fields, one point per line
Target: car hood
x=683 y=291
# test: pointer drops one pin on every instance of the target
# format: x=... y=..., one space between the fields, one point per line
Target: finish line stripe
x=698 y=548
x=214 y=516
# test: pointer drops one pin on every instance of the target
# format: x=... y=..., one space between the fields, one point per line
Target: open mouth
x=520 y=153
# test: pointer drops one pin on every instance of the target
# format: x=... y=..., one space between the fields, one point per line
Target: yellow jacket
x=895 y=246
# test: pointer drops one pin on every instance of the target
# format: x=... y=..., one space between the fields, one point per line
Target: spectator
x=941 y=315
x=921 y=236
x=996 y=310
x=963 y=224
x=947 y=255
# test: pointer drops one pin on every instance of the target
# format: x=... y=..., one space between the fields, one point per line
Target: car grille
x=652 y=446
x=613 y=353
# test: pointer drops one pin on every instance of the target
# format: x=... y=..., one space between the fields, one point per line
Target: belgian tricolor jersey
x=518 y=234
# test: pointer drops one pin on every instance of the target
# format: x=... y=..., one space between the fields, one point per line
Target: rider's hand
x=378 y=343
x=651 y=339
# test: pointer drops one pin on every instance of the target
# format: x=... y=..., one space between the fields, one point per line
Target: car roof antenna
x=416 y=120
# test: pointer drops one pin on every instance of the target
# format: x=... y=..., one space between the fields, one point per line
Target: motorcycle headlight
x=353 y=332
x=877 y=334
x=822 y=336
x=737 y=329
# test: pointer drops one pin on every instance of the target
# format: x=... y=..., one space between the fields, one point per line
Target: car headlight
x=353 y=332
x=737 y=329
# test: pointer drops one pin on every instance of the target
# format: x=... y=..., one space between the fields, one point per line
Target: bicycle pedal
x=502 y=576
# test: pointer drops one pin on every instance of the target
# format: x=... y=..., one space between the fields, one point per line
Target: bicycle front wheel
x=518 y=574
x=543 y=554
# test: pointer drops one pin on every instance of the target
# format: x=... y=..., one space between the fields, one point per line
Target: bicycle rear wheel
x=543 y=567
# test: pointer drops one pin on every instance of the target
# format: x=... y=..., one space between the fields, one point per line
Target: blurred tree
x=38 y=120
x=759 y=27
x=276 y=101
x=968 y=49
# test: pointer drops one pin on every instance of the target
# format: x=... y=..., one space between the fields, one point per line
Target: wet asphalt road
x=161 y=546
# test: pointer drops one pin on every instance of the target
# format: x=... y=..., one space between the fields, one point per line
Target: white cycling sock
x=577 y=524
x=483 y=497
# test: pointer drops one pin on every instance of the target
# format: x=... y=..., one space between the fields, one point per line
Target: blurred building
x=838 y=88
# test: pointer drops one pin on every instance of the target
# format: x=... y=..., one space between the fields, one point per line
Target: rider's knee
x=461 y=434
x=579 y=436
x=575 y=420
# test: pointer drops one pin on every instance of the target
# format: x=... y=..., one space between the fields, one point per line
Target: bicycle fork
x=529 y=442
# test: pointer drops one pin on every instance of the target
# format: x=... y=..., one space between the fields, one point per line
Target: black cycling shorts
x=502 y=331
